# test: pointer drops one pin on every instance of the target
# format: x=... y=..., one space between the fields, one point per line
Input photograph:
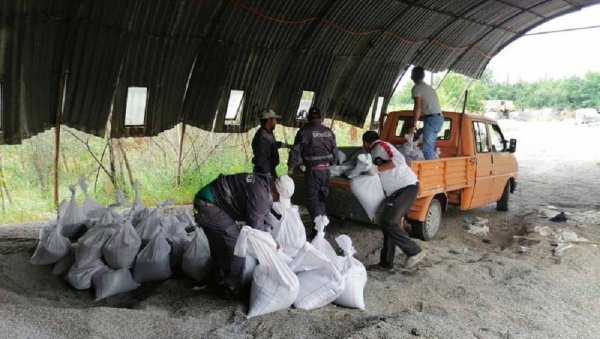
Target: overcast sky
x=556 y=55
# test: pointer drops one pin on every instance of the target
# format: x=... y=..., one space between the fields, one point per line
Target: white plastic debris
x=543 y=230
x=274 y=285
x=478 y=226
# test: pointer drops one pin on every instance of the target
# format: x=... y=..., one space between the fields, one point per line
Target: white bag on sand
x=52 y=246
x=196 y=261
x=150 y=226
x=153 y=262
x=90 y=207
x=63 y=265
x=274 y=285
x=290 y=233
x=74 y=219
x=110 y=282
x=320 y=281
x=80 y=277
x=121 y=249
x=355 y=276
x=91 y=244
x=369 y=192
x=321 y=244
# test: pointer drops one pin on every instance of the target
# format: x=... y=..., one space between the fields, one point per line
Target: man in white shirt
x=427 y=108
x=401 y=186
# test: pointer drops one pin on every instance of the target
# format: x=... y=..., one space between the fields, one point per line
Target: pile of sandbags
x=94 y=245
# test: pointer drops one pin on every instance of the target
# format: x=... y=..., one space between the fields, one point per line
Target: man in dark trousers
x=220 y=208
x=264 y=145
x=314 y=147
x=400 y=185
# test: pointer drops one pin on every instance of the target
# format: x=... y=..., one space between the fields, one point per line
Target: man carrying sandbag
x=220 y=208
x=401 y=186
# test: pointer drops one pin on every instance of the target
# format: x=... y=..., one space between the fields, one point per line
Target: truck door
x=504 y=165
x=484 y=170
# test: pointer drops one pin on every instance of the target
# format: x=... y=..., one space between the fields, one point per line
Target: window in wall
x=498 y=143
x=403 y=126
x=481 y=137
x=379 y=108
x=306 y=101
x=235 y=106
x=135 y=111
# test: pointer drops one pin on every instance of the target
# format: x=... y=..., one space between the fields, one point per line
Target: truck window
x=444 y=133
x=481 y=137
x=403 y=125
x=498 y=143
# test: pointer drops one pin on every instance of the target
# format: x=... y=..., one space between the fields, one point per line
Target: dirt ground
x=469 y=287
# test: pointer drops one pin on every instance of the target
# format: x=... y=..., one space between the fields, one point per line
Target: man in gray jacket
x=264 y=145
x=219 y=208
x=314 y=147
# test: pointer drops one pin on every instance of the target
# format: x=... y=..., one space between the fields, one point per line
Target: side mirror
x=512 y=146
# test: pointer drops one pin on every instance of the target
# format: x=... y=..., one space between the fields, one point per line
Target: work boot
x=414 y=259
x=380 y=268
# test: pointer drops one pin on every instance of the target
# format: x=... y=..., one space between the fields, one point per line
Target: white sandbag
x=273 y=221
x=121 y=249
x=62 y=208
x=171 y=225
x=178 y=242
x=139 y=216
x=91 y=244
x=185 y=218
x=74 y=219
x=249 y=267
x=320 y=281
x=90 y=207
x=63 y=265
x=290 y=233
x=363 y=163
x=196 y=261
x=150 y=226
x=110 y=282
x=369 y=192
x=80 y=277
x=320 y=243
x=52 y=246
x=153 y=262
x=355 y=276
x=410 y=150
x=107 y=218
x=342 y=157
x=274 y=285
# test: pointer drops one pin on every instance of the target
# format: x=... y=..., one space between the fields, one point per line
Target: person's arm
x=257 y=209
x=417 y=110
x=295 y=157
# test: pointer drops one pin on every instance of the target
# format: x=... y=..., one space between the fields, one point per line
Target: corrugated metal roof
x=190 y=54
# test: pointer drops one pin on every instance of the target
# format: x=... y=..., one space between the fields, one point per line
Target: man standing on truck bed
x=315 y=147
x=427 y=107
x=401 y=186
x=264 y=145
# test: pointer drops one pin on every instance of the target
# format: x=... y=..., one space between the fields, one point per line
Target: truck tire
x=502 y=204
x=427 y=230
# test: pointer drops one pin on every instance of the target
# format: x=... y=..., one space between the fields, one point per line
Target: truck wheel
x=427 y=229
x=502 y=204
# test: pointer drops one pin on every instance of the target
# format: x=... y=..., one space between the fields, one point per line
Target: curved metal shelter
x=75 y=62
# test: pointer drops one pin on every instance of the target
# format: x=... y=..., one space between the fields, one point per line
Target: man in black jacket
x=264 y=145
x=220 y=208
x=314 y=147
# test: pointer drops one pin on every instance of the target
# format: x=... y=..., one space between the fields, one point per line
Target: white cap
x=285 y=186
x=268 y=113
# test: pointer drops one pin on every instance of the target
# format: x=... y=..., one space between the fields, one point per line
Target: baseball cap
x=314 y=113
x=268 y=113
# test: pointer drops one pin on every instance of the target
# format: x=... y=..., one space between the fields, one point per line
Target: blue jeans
x=431 y=128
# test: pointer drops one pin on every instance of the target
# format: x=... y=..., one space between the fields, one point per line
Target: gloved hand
x=372 y=170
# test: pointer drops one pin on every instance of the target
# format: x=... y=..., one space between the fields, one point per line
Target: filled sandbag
x=52 y=246
x=63 y=265
x=74 y=219
x=150 y=226
x=290 y=232
x=91 y=244
x=320 y=281
x=249 y=267
x=321 y=244
x=121 y=249
x=110 y=282
x=139 y=216
x=153 y=262
x=186 y=219
x=363 y=163
x=355 y=276
x=90 y=207
x=274 y=285
x=178 y=242
x=108 y=217
x=80 y=277
x=196 y=261
x=171 y=225
x=369 y=192
x=410 y=150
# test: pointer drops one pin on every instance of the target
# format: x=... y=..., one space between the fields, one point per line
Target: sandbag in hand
x=372 y=170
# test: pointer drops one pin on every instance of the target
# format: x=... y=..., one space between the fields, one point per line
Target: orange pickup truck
x=476 y=167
